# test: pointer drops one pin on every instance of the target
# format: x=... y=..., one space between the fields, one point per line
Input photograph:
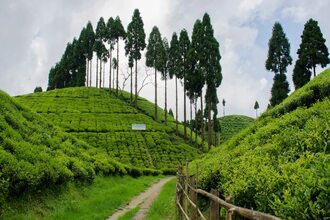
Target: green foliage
x=279 y=51
x=280 y=89
x=104 y=122
x=301 y=74
x=233 y=124
x=280 y=164
x=312 y=50
x=35 y=154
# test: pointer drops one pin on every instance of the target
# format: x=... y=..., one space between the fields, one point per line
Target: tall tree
x=135 y=42
x=256 y=107
x=131 y=65
x=111 y=41
x=91 y=39
x=118 y=31
x=213 y=77
x=277 y=61
x=173 y=67
x=164 y=65
x=99 y=48
x=313 y=50
x=153 y=56
x=197 y=40
x=184 y=46
x=301 y=74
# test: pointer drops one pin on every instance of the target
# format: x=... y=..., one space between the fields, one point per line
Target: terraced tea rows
x=105 y=121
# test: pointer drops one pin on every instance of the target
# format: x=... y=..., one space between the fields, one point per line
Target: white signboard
x=139 y=127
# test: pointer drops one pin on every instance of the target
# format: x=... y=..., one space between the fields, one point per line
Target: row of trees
x=194 y=62
x=312 y=52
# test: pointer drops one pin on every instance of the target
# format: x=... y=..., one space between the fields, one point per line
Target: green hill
x=35 y=154
x=104 y=121
x=280 y=164
x=232 y=124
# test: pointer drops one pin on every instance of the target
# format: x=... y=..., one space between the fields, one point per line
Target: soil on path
x=144 y=200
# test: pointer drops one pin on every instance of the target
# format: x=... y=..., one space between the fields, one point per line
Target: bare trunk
x=165 y=97
x=110 y=68
x=203 y=128
x=100 y=82
x=103 y=74
x=87 y=72
x=131 y=85
x=155 y=94
x=196 y=141
x=117 y=82
x=314 y=70
x=135 y=84
x=176 y=104
x=97 y=72
x=90 y=73
x=190 y=122
x=184 y=112
x=209 y=137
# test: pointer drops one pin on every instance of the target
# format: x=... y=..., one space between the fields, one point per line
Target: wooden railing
x=187 y=206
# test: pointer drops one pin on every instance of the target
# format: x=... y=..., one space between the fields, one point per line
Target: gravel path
x=144 y=199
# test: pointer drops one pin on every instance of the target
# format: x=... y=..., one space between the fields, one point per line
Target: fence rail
x=187 y=206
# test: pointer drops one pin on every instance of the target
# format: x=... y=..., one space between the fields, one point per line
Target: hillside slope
x=281 y=164
x=104 y=121
x=232 y=124
x=36 y=154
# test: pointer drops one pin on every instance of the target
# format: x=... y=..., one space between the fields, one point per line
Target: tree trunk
x=90 y=73
x=314 y=70
x=191 y=121
x=196 y=140
x=97 y=72
x=202 y=125
x=113 y=78
x=100 y=82
x=155 y=94
x=103 y=73
x=131 y=85
x=87 y=67
x=209 y=137
x=117 y=82
x=165 y=97
x=176 y=105
x=110 y=68
x=184 y=112
x=135 y=83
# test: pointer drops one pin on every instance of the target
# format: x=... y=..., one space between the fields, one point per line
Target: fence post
x=193 y=198
x=179 y=192
x=214 y=208
x=186 y=188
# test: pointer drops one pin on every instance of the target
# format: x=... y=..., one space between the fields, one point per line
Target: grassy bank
x=96 y=201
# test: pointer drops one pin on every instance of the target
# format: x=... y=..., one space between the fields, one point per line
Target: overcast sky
x=35 y=33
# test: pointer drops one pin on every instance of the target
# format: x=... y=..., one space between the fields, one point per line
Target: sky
x=35 y=33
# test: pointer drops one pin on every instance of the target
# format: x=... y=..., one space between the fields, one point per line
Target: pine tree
x=153 y=56
x=277 y=61
x=313 y=50
x=90 y=36
x=301 y=74
x=135 y=42
x=173 y=68
x=164 y=65
x=256 y=107
x=210 y=61
x=184 y=45
x=99 y=48
x=111 y=41
x=118 y=31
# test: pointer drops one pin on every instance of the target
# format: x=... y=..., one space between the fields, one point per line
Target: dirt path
x=144 y=199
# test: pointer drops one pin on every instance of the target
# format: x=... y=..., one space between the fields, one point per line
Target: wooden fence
x=187 y=206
